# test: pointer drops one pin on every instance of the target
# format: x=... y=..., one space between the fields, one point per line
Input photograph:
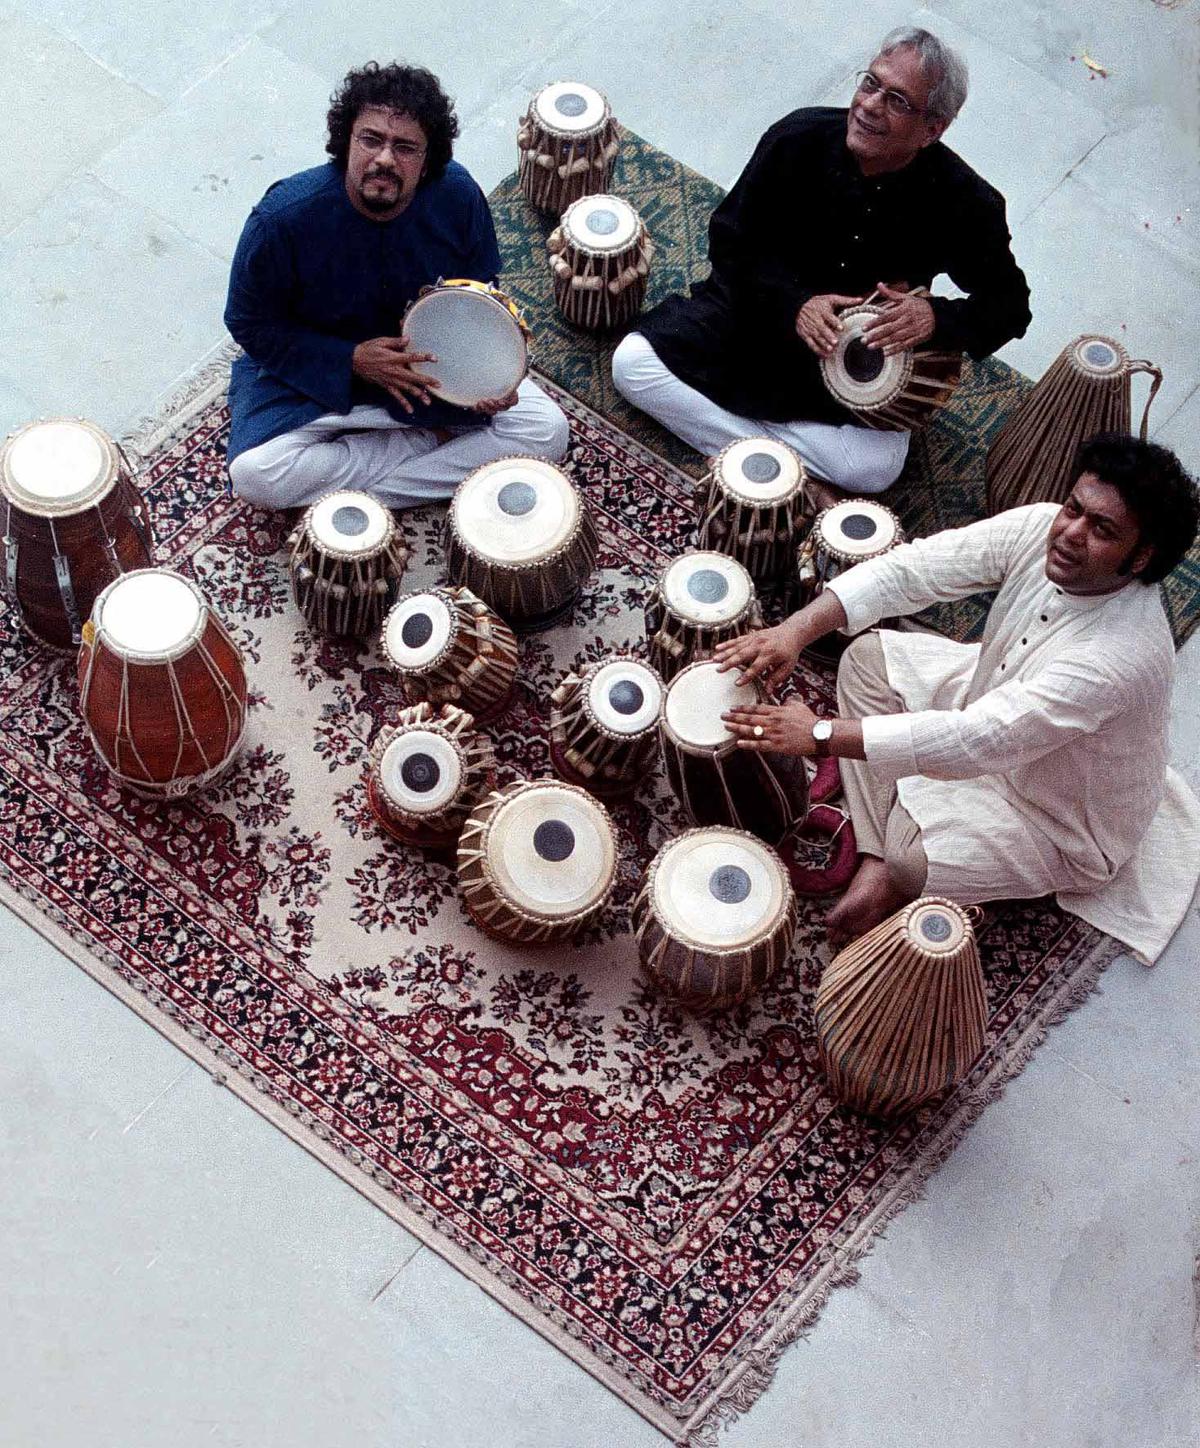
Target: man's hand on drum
x=497 y=404
x=388 y=363
x=817 y=322
x=767 y=654
x=907 y=320
x=777 y=728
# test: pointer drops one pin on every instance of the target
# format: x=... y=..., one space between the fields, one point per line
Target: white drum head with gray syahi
x=349 y=523
x=420 y=771
x=570 y=106
x=516 y=510
x=480 y=348
x=859 y=375
x=150 y=614
x=719 y=889
x=600 y=224
x=935 y=928
x=624 y=696
x=551 y=852
x=696 y=699
x=707 y=588
x=858 y=528
x=418 y=627
x=760 y=470
x=58 y=467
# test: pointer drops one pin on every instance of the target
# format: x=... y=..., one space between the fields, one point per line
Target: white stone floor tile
x=488 y=145
x=16 y=407
x=1181 y=431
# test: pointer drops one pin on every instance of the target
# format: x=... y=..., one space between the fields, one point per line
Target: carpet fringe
x=176 y=409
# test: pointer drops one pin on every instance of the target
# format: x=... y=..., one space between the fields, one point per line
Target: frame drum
x=699 y=600
x=754 y=506
x=347 y=560
x=450 y=648
x=850 y=532
x=600 y=257
x=604 y=725
x=478 y=336
x=893 y=394
x=427 y=774
x=567 y=141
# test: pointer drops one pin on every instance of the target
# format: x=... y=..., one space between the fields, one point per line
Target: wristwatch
x=822 y=733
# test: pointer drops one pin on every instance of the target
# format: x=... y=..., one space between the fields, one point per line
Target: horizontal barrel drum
x=427 y=773
x=448 y=647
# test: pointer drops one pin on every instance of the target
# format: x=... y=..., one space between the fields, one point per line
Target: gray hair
x=943 y=67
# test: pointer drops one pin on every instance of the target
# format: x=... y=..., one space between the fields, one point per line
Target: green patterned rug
x=943 y=482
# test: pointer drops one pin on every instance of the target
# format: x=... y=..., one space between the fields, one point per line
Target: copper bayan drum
x=848 y=533
x=753 y=506
x=521 y=536
x=600 y=256
x=73 y=521
x=716 y=782
x=893 y=394
x=699 y=600
x=162 y=687
x=714 y=917
x=604 y=725
x=478 y=336
x=536 y=862
x=427 y=773
x=567 y=142
x=450 y=648
x=347 y=560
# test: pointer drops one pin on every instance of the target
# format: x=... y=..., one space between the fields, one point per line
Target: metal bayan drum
x=427 y=773
x=536 y=862
x=716 y=782
x=567 y=142
x=347 y=560
x=848 y=533
x=450 y=648
x=714 y=917
x=699 y=600
x=754 y=506
x=521 y=535
x=600 y=256
x=162 y=687
x=604 y=725
x=893 y=394
x=73 y=521
x=478 y=336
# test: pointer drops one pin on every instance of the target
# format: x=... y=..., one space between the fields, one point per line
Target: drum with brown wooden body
x=753 y=506
x=848 y=533
x=567 y=142
x=604 y=725
x=600 y=257
x=427 y=773
x=347 y=560
x=893 y=394
x=448 y=647
x=699 y=600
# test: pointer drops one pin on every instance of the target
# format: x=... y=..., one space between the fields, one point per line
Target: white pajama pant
x=369 y=450
x=855 y=459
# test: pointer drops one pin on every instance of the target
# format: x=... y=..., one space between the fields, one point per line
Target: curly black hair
x=1156 y=489
x=407 y=88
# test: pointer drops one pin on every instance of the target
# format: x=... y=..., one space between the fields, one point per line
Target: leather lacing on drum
x=476 y=757
x=760 y=535
x=476 y=665
x=356 y=603
x=586 y=745
x=675 y=641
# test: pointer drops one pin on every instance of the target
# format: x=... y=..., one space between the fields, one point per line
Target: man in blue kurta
x=326 y=394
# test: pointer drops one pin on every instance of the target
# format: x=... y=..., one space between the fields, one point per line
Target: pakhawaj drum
x=347 y=560
x=753 y=506
x=604 y=725
x=895 y=393
x=567 y=142
x=427 y=773
x=600 y=256
x=450 y=648
x=699 y=600
x=848 y=533
x=478 y=336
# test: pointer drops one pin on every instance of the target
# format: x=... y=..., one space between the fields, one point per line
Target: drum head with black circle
x=420 y=771
x=624 y=696
x=707 y=588
x=857 y=529
x=349 y=524
x=570 y=106
x=760 y=470
x=516 y=510
x=860 y=376
x=720 y=889
x=551 y=850
x=600 y=224
x=418 y=628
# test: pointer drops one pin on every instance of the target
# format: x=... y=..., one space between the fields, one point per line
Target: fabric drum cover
x=699 y=600
x=427 y=773
x=600 y=258
x=893 y=394
x=478 y=337
x=450 y=648
x=753 y=506
x=604 y=725
x=566 y=142
x=850 y=532
x=347 y=560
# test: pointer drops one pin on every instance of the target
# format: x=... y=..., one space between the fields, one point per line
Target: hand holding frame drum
x=475 y=337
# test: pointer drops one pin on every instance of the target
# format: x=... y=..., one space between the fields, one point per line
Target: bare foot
x=870 y=899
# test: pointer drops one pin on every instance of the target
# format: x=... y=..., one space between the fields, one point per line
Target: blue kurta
x=312 y=277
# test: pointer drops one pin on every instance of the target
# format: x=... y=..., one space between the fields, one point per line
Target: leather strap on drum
x=1142 y=365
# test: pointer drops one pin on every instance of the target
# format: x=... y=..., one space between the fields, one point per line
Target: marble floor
x=174 y=1272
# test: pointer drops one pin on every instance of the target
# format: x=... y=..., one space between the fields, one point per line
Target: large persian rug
x=669 y=1200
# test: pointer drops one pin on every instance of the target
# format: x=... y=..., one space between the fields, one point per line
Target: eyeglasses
x=372 y=142
x=897 y=103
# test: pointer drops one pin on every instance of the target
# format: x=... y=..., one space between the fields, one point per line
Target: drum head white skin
x=150 y=614
x=515 y=510
x=936 y=928
x=418 y=627
x=1099 y=356
x=625 y=696
x=718 y=890
x=58 y=467
x=479 y=345
x=707 y=588
x=696 y=699
x=861 y=376
x=551 y=851
x=571 y=106
x=420 y=771
x=760 y=470
x=348 y=523
x=858 y=528
x=600 y=223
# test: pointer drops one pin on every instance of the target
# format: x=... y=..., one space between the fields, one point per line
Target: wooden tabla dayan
x=346 y=562
x=600 y=258
x=567 y=141
x=1086 y=390
x=449 y=647
x=521 y=535
x=604 y=725
x=536 y=862
x=714 y=917
x=716 y=782
x=477 y=334
x=162 y=685
x=850 y=532
x=73 y=521
x=754 y=506
x=901 y=1012
x=427 y=773
x=699 y=600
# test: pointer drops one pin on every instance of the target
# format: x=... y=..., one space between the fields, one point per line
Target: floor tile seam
x=96 y=60
x=1152 y=1116
x=220 y=65
x=383 y=1291
x=1063 y=179
x=1166 y=421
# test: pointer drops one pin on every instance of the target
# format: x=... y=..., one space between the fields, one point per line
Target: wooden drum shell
x=343 y=593
x=762 y=536
x=477 y=761
x=926 y=378
x=599 y=290
x=584 y=752
x=557 y=167
x=674 y=641
x=476 y=670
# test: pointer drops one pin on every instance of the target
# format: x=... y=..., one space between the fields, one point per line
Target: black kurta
x=802 y=221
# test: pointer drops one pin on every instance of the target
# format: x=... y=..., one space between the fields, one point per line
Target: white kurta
x=1034 y=762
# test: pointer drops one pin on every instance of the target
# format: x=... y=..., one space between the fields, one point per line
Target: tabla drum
x=450 y=648
x=162 y=686
x=699 y=600
x=850 y=532
x=604 y=725
x=892 y=394
x=754 y=506
x=716 y=782
x=600 y=257
x=567 y=142
x=427 y=773
x=347 y=560
x=520 y=534
x=714 y=917
x=478 y=336
x=73 y=521
x=901 y=1013
x=536 y=862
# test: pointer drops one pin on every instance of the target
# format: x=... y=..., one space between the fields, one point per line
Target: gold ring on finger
x=758 y=731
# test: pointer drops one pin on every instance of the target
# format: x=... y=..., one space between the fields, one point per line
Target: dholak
x=162 y=687
x=716 y=782
x=1085 y=390
x=73 y=521
x=699 y=600
x=478 y=337
x=520 y=535
x=347 y=560
x=604 y=725
x=600 y=256
x=567 y=141
x=714 y=917
x=893 y=393
x=901 y=1012
x=536 y=862
x=427 y=773
x=753 y=506
x=848 y=533
x=450 y=648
